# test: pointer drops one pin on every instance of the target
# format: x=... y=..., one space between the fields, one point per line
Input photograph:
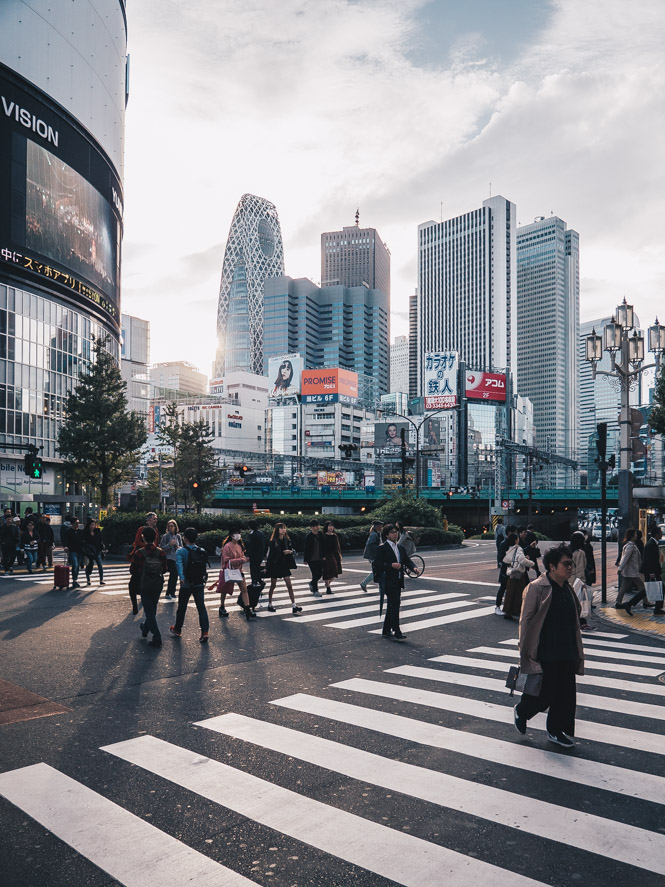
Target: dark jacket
x=74 y=540
x=537 y=599
x=313 y=550
x=256 y=547
x=138 y=558
x=382 y=566
x=9 y=535
x=28 y=542
x=651 y=560
x=45 y=533
x=372 y=546
x=94 y=542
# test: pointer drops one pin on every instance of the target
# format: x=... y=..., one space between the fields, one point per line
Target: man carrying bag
x=651 y=569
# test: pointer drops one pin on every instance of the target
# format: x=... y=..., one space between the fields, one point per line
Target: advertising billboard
x=284 y=378
x=485 y=386
x=431 y=434
x=440 y=380
x=60 y=202
x=334 y=478
x=329 y=386
x=388 y=437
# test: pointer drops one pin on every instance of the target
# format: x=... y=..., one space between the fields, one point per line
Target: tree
x=657 y=415
x=100 y=439
x=413 y=512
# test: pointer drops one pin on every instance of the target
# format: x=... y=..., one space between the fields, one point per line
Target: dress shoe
x=399 y=636
x=144 y=630
x=154 y=643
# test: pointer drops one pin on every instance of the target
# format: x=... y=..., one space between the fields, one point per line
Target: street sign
x=505 y=504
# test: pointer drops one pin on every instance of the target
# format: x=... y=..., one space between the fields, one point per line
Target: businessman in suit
x=388 y=566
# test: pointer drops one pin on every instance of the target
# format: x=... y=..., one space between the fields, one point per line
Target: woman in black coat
x=332 y=555
x=279 y=564
x=92 y=549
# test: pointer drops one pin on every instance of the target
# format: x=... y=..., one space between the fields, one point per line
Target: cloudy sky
x=404 y=108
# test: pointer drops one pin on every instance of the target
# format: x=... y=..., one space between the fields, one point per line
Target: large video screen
x=68 y=221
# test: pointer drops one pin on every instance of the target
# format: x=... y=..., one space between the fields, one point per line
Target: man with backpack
x=148 y=567
x=192 y=564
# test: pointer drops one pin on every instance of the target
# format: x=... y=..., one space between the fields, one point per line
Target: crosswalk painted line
x=592 y=642
x=607 y=777
x=587 y=700
x=590 y=680
x=129 y=849
x=439 y=620
x=431 y=601
x=403 y=858
x=597 y=666
x=611 y=654
x=574 y=828
x=369 y=603
x=635 y=739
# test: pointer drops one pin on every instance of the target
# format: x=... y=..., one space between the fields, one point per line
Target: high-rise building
x=413 y=345
x=135 y=359
x=332 y=326
x=178 y=376
x=466 y=287
x=399 y=364
x=548 y=306
x=355 y=256
x=63 y=83
x=254 y=253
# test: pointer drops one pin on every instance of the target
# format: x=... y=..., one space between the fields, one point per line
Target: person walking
x=405 y=538
x=517 y=564
x=233 y=559
x=590 y=559
x=499 y=538
x=530 y=546
x=577 y=545
x=256 y=552
x=550 y=644
x=629 y=565
x=9 y=540
x=170 y=542
x=149 y=565
x=371 y=547
x=74 y=549
x=332 y=555
x=93 y=548
x=192 y=564
x=150 y=521
x=46 y=540
x=313 y=555
x=651 y=570
x=280 y=562
x=508 y=541
x=20 y=556
x=30 y=544
x=388 y=566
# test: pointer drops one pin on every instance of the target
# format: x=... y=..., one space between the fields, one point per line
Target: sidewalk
x=642 y=620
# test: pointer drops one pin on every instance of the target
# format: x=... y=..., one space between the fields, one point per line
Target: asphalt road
x=311 y=751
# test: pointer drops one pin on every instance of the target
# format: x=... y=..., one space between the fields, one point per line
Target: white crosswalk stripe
x=582 y=818
x=588 y=665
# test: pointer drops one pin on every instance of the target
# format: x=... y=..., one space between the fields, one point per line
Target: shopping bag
x=511 y=680
x=529 y=684
x=654 y=591
x=232 y=575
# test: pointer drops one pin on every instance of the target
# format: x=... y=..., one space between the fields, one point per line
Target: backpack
x=152 y=574
x=196 y=569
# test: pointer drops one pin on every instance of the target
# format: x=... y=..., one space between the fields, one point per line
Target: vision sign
x=486 y=386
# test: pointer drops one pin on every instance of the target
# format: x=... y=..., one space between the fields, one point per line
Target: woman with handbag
x=517 y=563
x=170 y=542
x=233 y=558
x=281 y=560
x=629 y=567
x=550 y=644
x=332 y=555
x=92 y=549
x=578 y=578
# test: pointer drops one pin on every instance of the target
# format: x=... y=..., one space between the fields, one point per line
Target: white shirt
x=394 y=547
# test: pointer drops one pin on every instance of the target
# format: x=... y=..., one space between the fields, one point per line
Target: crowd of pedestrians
x=26 y=541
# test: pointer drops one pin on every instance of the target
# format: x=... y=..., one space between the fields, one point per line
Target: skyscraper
x=355 y=256
x=466 y=287
x=548 y=306
x=399 y=365
x=254 y=252
x=413 y=345
x=332 y=326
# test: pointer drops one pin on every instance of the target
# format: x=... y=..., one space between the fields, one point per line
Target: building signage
x=329 y=386
x=485 y=386
x=440 y=380
x=14 y=481
x=284 y=378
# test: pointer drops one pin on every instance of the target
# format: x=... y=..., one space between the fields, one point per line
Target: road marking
x=607 y=777
x=596 y=666
x=606 y=733
x=371 y=603
x=604 y=703
x=595 y=834
x=591 y=680
x=377 y=848
x=589 y=644
x=377 y=619
x=440 y=620
x=124 y=846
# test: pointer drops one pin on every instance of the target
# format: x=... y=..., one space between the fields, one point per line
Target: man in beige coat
x=550 y=645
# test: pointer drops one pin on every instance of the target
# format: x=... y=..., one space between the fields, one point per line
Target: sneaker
x=102 y=583
x=144 y=630
x=174 y=631
x=204 y=637
x=520 y=723
x=223 y=613
x=271 y=609
x=587 y=627
x=386 y=634
x=88 y=581
x=561 y=739
x=316 y=593
x=399 y=636
x=168 y=597
x=498 y=611
x=297 y=610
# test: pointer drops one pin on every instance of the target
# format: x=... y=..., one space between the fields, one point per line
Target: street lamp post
x=627 y=355
x=160 y=461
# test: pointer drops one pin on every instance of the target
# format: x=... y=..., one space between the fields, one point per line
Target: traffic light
x=601 y=441
x=611 y=462
x=243 y=469
x=32 y=466
x=196 y=487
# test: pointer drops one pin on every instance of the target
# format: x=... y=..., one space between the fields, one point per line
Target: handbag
x=511 y=680
x=654 y=590
x=530 y=684
x=290 y=562
x=584 y=595
x=232 y=575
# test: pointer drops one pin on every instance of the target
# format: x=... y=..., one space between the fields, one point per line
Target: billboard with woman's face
x=388 y=436
x=284 y=377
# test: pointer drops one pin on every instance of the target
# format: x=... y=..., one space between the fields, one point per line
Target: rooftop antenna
x=357 y=217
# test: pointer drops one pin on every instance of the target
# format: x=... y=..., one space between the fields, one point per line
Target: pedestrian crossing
x=348 y=607
x=477 y=776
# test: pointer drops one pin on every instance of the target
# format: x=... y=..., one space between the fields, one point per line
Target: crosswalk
x=348 y=607
x=454 y=766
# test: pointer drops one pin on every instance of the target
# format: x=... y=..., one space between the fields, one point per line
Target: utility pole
x=601 y=459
